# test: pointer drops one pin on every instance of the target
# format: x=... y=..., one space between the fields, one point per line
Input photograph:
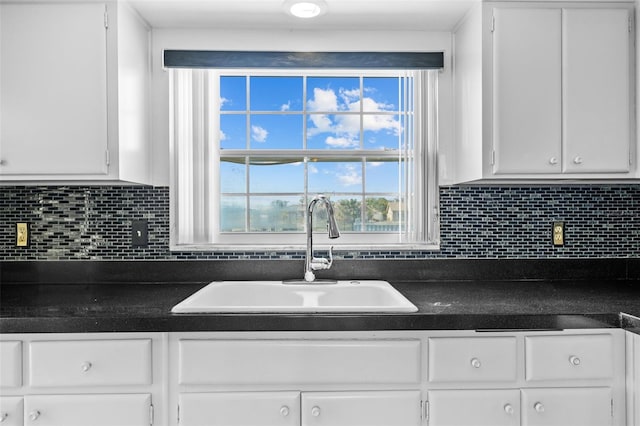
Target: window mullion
x=247 y=201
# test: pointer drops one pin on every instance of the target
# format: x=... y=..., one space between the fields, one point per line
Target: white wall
x=287 y=40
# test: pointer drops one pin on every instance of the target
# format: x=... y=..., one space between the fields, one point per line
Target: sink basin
x=283 y=296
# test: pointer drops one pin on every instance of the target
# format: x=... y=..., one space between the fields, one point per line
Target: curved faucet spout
x=314 y=263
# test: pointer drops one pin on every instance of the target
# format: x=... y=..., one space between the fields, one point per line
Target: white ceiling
x=431 y=15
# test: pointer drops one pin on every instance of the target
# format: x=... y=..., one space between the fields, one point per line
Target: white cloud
x=347 y=127
x=350 y=96
x=286 y=107
x=375 y=163
x=376 y=123
x=223 y=137
x=341 y=142
x=349 y=176
x=323 y=100
x=312 y=169
x=259 y=134
x=322 y=124
x=371 y=105
x=223 y=101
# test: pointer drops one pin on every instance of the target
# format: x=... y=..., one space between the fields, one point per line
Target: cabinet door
x=53 y=86
x=367 y=408
x=84 y=410
x=596 y=90
x=10 y=364
x=474 y=407
x=240 y=409
x=11 y=410
x=566 y=407
x=527 y=90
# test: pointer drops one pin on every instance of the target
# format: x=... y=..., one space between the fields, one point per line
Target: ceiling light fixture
x=305 y=8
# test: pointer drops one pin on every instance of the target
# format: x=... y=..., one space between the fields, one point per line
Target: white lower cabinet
x=474 y=407
x=344 y=408
x=11 y=410
x=97 y=379
x=321 y=378
x=526 y=407
x=366 y=408
x=85 y=410
x=567 y=407
x=239 y=409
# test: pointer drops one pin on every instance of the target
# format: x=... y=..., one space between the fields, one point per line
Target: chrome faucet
x=315 y=263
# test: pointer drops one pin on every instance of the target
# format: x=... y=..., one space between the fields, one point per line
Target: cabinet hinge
x=493 y=157
x=151 y=414
x=107 y=157
x=424 y=410
x=611 y=407
x=630 y=23
x=493 y=23
x=106 y=18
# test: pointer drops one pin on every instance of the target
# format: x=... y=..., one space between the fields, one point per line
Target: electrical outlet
x=558 y=234
x=22 y=234
x=139 y=233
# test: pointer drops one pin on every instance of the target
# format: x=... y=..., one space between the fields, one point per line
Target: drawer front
x=11 y=365
x=11 y=410
x=567 y=407
x=366 y=408
x=90 y=363
x=298 y=361
x=85 y=410
x=569 y=357
x=240 y=409
x=485 y=407
x=472 y=359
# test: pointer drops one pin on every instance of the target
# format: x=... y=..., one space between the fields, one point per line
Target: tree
x=376 y=208
x=347 y=212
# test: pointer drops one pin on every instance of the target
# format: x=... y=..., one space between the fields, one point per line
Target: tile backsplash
x=93 y=223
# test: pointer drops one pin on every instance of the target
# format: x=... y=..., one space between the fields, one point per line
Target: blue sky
x=282 y=128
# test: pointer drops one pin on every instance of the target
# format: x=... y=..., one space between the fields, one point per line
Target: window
x=250 y=148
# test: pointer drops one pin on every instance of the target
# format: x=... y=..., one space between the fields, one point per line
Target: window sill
x=339 y=250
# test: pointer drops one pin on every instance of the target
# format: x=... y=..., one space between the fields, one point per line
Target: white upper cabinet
x=556 y=98
x=74 y=91
x=54 y=89
x=596 y=90
x=527 y=99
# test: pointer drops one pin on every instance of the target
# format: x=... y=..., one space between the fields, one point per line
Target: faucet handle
x=318 y=263
x=330 y=257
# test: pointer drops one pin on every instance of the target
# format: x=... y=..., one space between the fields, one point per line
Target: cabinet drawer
x=365 y=408
x=85 y=410
x=471 y=359
x=240 y=409
x=90 y=363
x=298 y=361
x=11 y=410
x=567 y=407
x=485 y=407
x=569 y=357
x=11 y=365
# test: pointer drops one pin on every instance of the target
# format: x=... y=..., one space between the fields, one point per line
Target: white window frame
x=193 y=213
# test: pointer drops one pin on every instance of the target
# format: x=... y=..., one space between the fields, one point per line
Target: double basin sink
x=296 y=297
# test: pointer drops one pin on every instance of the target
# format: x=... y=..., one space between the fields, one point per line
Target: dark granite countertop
x=447 y=305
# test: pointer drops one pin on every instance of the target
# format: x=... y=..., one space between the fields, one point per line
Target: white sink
x=279 y=296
